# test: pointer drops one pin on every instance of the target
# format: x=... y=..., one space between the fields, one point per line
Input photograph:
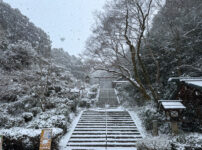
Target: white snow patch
x=18 y=132
x=75 y=90
x=197 y=83
x=138 y=123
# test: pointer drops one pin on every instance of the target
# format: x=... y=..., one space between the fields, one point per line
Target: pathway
x=103 y=128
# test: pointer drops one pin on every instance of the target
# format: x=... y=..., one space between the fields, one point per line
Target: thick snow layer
x=185 y=79
x=197 y=83
x=18 y=132
x=173 y=105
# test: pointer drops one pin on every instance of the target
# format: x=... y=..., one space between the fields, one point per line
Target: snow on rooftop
x=172 y=105
x=197 y=83
x=181 y=79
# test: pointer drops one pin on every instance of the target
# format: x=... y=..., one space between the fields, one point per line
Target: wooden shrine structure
x=189 y=92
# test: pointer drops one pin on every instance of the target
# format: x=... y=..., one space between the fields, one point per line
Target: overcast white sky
x=71 y=19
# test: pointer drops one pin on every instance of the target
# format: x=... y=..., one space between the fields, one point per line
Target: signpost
x=45 y=140
x=173 y=110
x=1 y=142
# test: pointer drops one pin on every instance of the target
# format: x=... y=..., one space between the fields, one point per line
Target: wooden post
x=155 y=128
x=174 y=127
x=1 y=142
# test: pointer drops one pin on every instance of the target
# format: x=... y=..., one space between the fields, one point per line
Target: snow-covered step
x=109 y=127
x=100 y=129
x=108 y=136
x=104 y=129
x=108 y=120
x=82 y=140
x=121 y=120
x=104 y=132
x=102 y=144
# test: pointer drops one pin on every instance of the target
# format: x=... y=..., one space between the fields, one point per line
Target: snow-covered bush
x=149 y=113
x=27 y=139
x=85 y=103
x=27 y=116
x=187 y=141
x=35 y=110
x=94 y=88
x=92 y=95
x=8 y=121
x=17 y=56
x=153 y=144
x=73 y=105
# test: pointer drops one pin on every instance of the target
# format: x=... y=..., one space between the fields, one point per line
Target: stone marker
x=155 y=128
x=1 y=142
x=174 y=127
x=45 y=139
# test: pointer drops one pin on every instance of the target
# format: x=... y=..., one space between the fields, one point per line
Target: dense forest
x=146 y=49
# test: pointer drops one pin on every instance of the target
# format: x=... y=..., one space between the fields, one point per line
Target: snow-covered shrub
x=57 y=89
x=15 y=108
x=17 y=56
x=35 y=110
x=49 y=120
x=73 y=96
x=8 y=121
x=59 y=121
x=94 y=88
x=148 y=116
x=63 y=110
x=66 y=76
x=84 y=103
x=73 y=106
x=27 y=116
x=153 y=144
x=187 y=142
x=27 y=139
x=49 y=105
x=149 y=113
x=92 y=95
x=8 y=97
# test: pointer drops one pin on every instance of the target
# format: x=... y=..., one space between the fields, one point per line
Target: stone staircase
x=108 y=97
x=104 y=129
